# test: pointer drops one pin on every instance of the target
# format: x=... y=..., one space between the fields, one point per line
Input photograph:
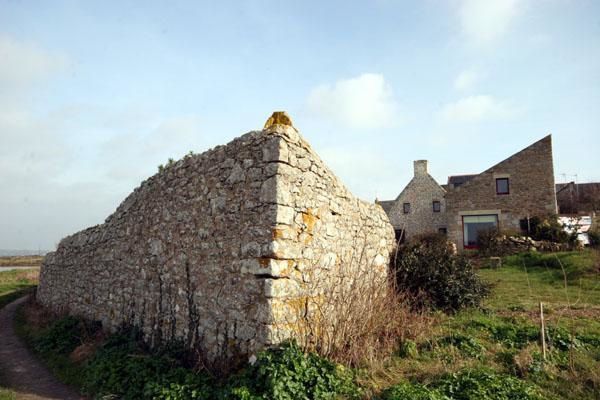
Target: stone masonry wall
x=531 y=180
x=420 y=192
x=215 y=248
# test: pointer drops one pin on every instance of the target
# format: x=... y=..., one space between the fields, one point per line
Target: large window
x=502 y=186
x=406 y=208
x=473 y=224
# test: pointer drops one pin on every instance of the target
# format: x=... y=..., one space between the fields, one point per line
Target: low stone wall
x=216 y=248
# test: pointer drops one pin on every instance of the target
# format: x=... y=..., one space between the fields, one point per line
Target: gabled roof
x=546 y=141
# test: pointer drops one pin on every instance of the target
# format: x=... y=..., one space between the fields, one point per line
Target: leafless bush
x=351 y=315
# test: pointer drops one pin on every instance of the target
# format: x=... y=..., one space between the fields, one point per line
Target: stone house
x=420 y=207
x=500 y=197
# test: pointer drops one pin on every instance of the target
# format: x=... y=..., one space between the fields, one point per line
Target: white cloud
x=483 y=21
x=23 y=63
x=363 y=102
x=467 y=79
x=170 y=138
x=477 y=108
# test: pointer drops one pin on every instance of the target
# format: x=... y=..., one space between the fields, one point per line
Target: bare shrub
x=352 y=316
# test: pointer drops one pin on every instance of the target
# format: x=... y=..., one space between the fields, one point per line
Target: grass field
x=21 y=261
x=15 y=283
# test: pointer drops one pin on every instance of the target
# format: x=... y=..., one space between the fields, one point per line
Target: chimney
x=420 y=167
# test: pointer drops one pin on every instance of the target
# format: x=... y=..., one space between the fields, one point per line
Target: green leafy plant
x=61 y=337
x=412 y=391
x=287 y=373
x=485 y=384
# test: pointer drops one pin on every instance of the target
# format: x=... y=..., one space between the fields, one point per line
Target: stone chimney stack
x=420 y=167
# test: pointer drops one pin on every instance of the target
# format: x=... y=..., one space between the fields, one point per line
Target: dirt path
x=20 y=370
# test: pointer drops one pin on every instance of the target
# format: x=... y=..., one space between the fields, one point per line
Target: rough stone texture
x=216 y=249
x=420 y=192
x=531 y=177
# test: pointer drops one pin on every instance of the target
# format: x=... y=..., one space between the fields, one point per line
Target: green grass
x=21 y=261
x=6 y=394
x=504 y=335
x=566 y=279
x=15 y=283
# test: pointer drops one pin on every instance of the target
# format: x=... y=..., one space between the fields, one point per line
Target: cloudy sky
x=95 y=94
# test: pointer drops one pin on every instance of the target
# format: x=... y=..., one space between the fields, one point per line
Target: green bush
x=549 y=229
x=123 y=366
x=428 y=266
x=61 y=337
x=467 y=345
x=409 y=391
x=286 y=373
x=484 y=384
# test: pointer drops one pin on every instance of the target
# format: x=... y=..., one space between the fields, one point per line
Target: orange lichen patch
x=263 y=261
x=278 y=118
x=284 y=232
x=310 y=219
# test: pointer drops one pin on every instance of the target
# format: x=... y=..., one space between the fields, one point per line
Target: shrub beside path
x=20 y=370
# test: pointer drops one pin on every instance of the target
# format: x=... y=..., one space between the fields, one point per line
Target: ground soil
x=21 y=371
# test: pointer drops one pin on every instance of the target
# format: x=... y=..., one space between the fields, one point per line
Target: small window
x=436 y=206
x=406 y=208
x=400 y=236
x=443 y=231
x=502 y=186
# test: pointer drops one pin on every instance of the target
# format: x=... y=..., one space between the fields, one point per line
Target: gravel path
x=21 y=371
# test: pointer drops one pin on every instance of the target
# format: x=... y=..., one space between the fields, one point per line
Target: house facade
x=500 y=197
x=420 y=207
x=519 y=187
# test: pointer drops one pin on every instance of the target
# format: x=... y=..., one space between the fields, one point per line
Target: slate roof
x=386 y=205
x=457 y=180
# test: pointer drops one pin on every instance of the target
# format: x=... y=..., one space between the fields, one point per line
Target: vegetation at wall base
x=489 y=352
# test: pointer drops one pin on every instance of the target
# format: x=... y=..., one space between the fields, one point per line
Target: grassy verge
x=21 y=261
x=15 y=283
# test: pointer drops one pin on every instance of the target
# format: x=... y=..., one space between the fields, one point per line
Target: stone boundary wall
x=214 y=249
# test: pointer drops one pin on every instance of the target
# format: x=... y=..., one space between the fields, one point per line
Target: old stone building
x=519 y=187
x=217 y=249
x=420 y=207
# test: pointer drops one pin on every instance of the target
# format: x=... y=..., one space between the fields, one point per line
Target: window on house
x=502 y=186
x=436 y=206
x=406 y=208
x=473 y=225
x=443 y=231
x=400 y=236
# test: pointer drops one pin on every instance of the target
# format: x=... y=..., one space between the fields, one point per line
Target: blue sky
x=94 y=95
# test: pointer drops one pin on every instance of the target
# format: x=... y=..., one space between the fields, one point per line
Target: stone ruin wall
x=215 y=248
